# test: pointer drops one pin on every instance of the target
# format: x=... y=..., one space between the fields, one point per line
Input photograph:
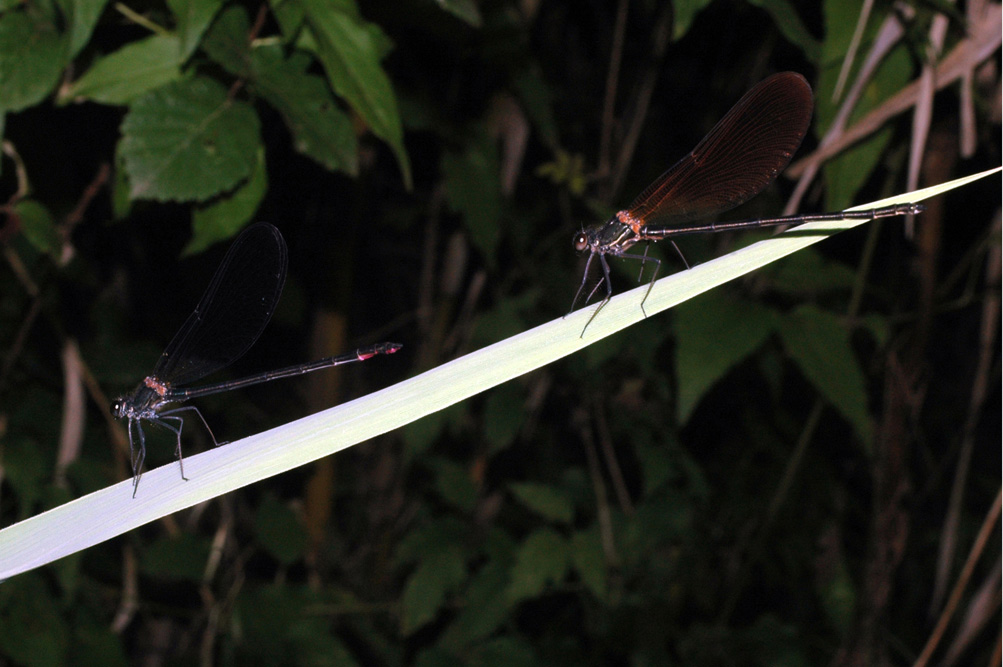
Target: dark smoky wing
x=737 y=159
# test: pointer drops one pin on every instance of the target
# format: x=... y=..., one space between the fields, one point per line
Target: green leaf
x=279 y=531
x=537 y=99
x=289 y=15
x=26 y=471
x=503 y=417
x=32 y=630
x=419 y=435
x=810 y=272
x=713 y=334
x=81 y=17
x=846 y=173
x=182 y=557
x=786 y=18
x=350 y=51
x=228 y=214
x=133 y=70
x=465 y=10
x=541 y=560
x=589 y=561
x=193 y=17
x=473 y=190
x=549 y=502
x=454 y=484
x=683 y=13
x=509 y=651
x=484 y=609
x=439 y=573
x=320 y=129
x=226 y=43
x=820 y=346
x=837 y=591
x=429 y=538
x=95 y=644
x=661 y=519
x=188 y=141
x=32 y=57
x=38 y=225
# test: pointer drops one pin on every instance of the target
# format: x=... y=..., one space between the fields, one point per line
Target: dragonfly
x=227 y=321
x=736 y=161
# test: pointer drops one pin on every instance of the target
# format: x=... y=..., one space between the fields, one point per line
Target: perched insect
x=735 y=161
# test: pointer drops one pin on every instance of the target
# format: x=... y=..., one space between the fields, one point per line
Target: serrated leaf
x=193 y=17
x=320 y=129
x=223 y=218
x=549 y=502
x=226 y=42
x=541 y=560
x=713 y=334
x=188 y=141
x=133 y=70
x=439 y=573
x=38 y=226
x=279 y=531
x=820 y=346
x=32 y=56
x=350 y=51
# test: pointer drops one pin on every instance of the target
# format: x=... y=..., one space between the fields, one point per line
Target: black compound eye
x=581 y=242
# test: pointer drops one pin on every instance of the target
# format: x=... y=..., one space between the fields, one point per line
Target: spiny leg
x=192 y=408
x=585 y=277
x=680 y=253
x=136 y=455
x=162 y=421
x=609 y=292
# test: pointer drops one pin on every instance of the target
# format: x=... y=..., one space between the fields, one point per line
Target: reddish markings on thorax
x=627 y=219
x=156 y=385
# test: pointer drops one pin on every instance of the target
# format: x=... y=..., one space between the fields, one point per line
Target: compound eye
x=581 y=242
x=116 y=408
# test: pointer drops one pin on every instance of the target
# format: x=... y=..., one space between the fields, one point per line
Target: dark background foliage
x=769 y=474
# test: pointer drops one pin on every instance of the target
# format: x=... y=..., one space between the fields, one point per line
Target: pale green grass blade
x=113 y=511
